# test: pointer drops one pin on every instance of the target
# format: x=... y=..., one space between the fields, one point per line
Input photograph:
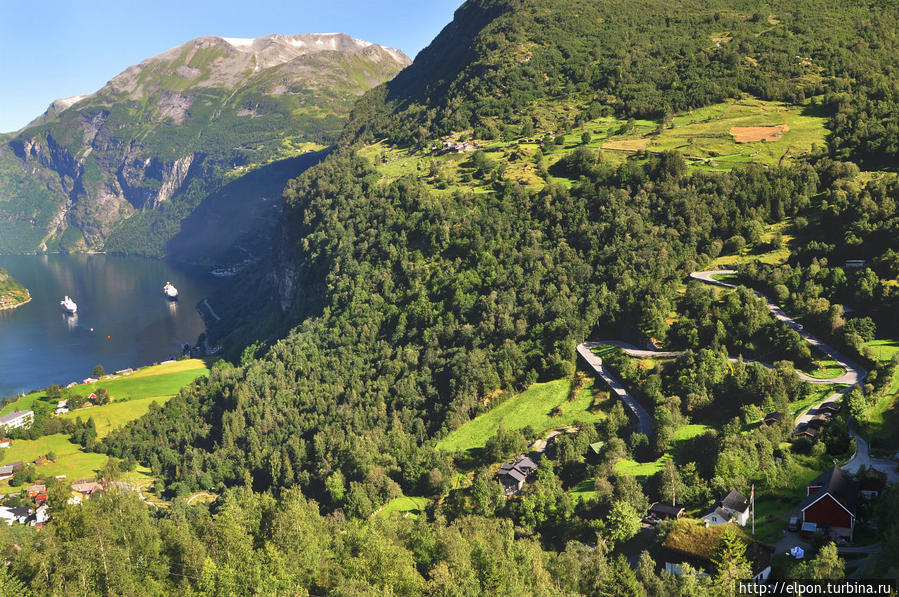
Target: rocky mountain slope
x=121 y=168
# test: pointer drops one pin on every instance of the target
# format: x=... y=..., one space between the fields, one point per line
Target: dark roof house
x=831 y=503
x=513 y=475
x=733 y=507
x=664 y=511
x=772 y=418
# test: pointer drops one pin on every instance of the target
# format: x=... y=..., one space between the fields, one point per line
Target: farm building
x=830 y=504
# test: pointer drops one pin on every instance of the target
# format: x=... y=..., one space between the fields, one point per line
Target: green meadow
x=532 y=407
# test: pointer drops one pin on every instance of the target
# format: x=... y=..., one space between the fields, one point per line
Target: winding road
x=862 y=458
x=852 y=375
x=644 y=421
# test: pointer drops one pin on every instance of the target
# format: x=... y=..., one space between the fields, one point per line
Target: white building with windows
x=19 y=418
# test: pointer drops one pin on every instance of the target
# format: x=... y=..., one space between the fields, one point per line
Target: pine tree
x=730 y=561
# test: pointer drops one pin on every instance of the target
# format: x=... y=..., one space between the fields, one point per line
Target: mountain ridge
x=166 y=131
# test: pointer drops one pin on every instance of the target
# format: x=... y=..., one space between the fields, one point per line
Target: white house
x=733 y=507
x=19 y=418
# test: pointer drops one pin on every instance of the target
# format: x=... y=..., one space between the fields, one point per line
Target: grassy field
x=825 y=368
x=132 y=396
x=412 y=507
x=884 y=349
x=71 y=460
x=627 y=466
x=704 y=135
x=584 y=490
x=115 y=414
x=532 y=407
x=154 y=381
x=882 y=419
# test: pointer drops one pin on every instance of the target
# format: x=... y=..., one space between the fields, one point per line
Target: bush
x=735 y=244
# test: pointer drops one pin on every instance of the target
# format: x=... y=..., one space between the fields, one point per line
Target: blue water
x=123 y=318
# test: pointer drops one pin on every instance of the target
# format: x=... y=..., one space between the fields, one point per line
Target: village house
x=807 y=431
x=734 y=507
x=37 y=489
x=19 y=418
x=513 y=476
x=84 y=489
x=830 y=505
x=62 y=407
x=21 y=514
x=5 y=442
x=773 y=418
x=663 y=511
x=8 y=470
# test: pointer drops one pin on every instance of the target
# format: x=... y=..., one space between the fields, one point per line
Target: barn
x=830 y=504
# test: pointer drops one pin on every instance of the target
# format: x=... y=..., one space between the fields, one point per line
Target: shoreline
x=17 y=305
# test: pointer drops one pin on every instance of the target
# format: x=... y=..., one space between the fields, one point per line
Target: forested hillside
x=425 y=284
x=426 y=305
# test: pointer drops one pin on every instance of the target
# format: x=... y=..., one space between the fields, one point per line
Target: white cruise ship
x=68 y=305
x=170 y=291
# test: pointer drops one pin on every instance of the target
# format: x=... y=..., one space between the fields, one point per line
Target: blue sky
x=60 y=48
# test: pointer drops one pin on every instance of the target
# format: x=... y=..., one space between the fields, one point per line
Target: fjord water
x=123 y=318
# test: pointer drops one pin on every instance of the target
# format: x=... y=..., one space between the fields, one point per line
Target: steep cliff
x=120 y=169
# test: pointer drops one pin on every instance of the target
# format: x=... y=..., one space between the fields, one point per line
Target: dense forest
x=418 y=308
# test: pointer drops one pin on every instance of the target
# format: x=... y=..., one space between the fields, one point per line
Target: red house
x=830 y=504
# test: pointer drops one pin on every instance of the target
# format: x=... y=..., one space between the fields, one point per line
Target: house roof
x=666 y=509
x=773 y=417
x=734 y=501
x=518 y=470
x=15 y=416
x=514 y=474
x=838 y=485
x=8 y=469
x=719 y=512
x=526 y=464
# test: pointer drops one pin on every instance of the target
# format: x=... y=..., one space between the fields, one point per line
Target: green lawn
x=531 y=407
x=155 y=381
x=882 y=419
x=628 y=466
x=705 y=134
x=132 y=396
x=71 y=461
x=884 y=349
x=583 y=490
x=409 y=506
x=825 y=368
x=115 y=414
